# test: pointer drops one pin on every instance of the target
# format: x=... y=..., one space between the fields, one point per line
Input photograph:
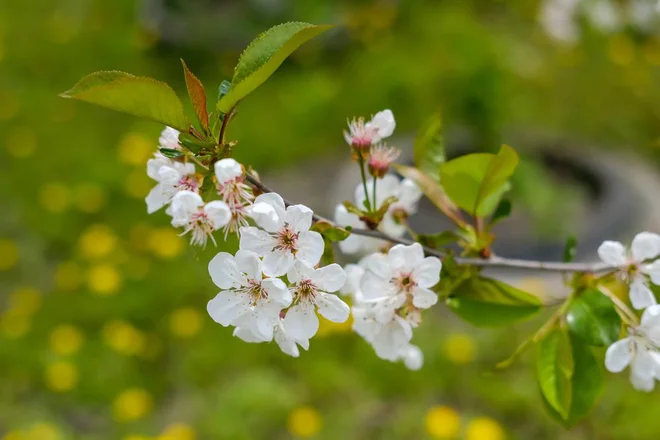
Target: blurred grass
x=104 y=333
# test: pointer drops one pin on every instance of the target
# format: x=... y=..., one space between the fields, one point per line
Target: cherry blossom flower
x=633 y=265
x=189 y=211
x=312 y=291
x=169 y=138
x=381 y=158
x=230 y=179
x=285 y=236
x=172 y=177
x=361 y=135
x=248 y=301
x=640 y=350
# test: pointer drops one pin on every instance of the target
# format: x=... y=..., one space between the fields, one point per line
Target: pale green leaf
x=135 y=95
x=429 y=147
x=263 y=56
x=554 y=368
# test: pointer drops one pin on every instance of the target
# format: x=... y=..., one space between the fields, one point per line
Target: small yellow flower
x=90 y=198
x=123 y=337
x=103 y=279
x=43 y=431
x=25 y=301
x=135 y=149
x=55 y=197
x=21 y=142
x=97 y=241
x=460 y=348
x=484 y=428
x=186 y=322
x=166 y=243
x=132 y=404
x=68 y=276
x=178 y=431
x=66 y=340
x=8 y=254
x=304 y=421
x=61 y=376
x=442 y=422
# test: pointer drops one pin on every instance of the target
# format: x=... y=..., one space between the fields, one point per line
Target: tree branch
x=492 y=261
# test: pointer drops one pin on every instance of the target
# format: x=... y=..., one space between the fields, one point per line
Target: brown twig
x=492 y=261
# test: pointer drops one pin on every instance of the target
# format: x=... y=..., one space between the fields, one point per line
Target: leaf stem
x=364 y=183
x=374 y=194
x=627 y=315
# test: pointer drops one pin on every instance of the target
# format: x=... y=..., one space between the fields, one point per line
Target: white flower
x=169 y=138
x=311 y=289
x=645 y=246
x=172 y=177
x=189 y=211
x=355 y=244
x=285 y=237
x=403 y=272
x=364 y=134
x=640 y=351
x=287 y=342
x=412 y=356
x=247 y=301
x=230 y=180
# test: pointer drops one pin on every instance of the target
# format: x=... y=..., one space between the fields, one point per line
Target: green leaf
x=476 y=182
x=197 y=96
x=586 y=385
x=263 y=56
x=135 y=95
x=502 y=211
x=431 y=189
x=330 y=231
x=429 y=147
x=486 y=302
x=438 y=240
x=592 y=318
x=570 y=248
x=554 y=368
x=171 y=153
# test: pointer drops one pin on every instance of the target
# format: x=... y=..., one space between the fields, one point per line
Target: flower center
x=404 y=282
x=201 y=227
x=256 y=291
x=188 y=183
x=306 y=291
x=287 y=239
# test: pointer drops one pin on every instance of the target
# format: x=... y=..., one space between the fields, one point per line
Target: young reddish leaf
x=197 y=96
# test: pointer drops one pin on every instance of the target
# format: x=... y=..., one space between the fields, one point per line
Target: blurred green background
x=103 y=328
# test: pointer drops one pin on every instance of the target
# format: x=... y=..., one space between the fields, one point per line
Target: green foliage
x=486 y=302
x=330 y=231
x=570 y=248
x=171 y=153
x=569 y=376
x=592 y=318
x=197 y=96
x=438 y=240
x=263 y=56
x=476 y=182
x=502 y=211
x=431 y=189
x=429 y=147
x=138 y=96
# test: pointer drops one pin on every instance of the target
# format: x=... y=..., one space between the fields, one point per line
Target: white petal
x=227 y=306
x=299 y=217
x=218 y=213
x=391 y=338
x=378 y=264
x=227 y=170
x=249 y=263
x=329 y=278
x=274 y=200
x=169 y=175
x=645 y=245
x=618 y=355
x=277 y=262
x=345 y=218
x=332 y=308
x=154 y=165
x=651 y=316
x=247 y=335
x=310 y=248
x=642 y=383
x=384 y=123
x=427 y=273
x=286 y=344
x=301 y=322
x=169 y=138
x=641 y=296
x=256 y=240
x=265 y=216
x=391 y=227
x=612 y=253
x=408 y=195
x=374 y=287
x=403 y=258
x=353 y=277
x=424 y=298
x=653 y=271
x=277 y=291
x=642 y=370
x=225 y=272
x=184 y=205
x=413 y=358
x=299 y=271
x=159 y=196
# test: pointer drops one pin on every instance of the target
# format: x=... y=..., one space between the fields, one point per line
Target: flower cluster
x=256 y=300
x=389 y=291
x=178 y=187
x=641 y=349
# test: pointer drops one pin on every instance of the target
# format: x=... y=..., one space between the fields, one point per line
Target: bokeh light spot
x=304 y=422
x=66 y=339
x=8 y=254
x=460 y=348
x=61 y=376
x=132 y=404
x=442 y=422
x=104 y=279
x=484 y=428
